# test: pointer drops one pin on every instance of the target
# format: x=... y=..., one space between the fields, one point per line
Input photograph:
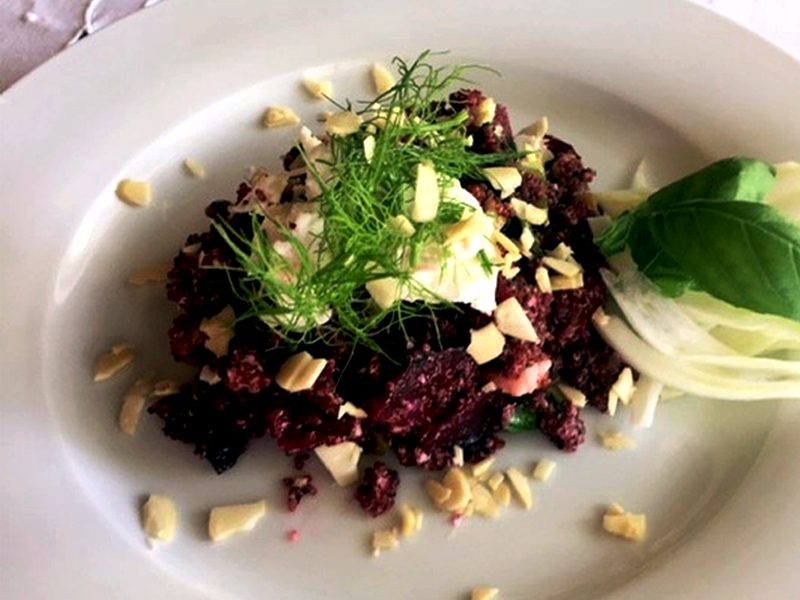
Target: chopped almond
x=456 y=481
x=369 y=147
x=410 y=521
x=348 y=408
x=318 y=89
x=485 y=112
x=512 y=320
x=280 y=116
x=300 y=372
x=616 y=441
x=150 y=274
x=484 y=501
x=543 y=280
x=401 y=224
x=165 y=387
x=521 y=486
x=574 y=395
x=225 y=521
x=481 y=468
x=486 y=344
x=209 y=375
x=159 y=518
x=382 y=79
x=343 y=123
x=384 y=540
x=565 y=267
x=503 y=179
x=624 y=524
x=495 y=480
x=194 y=168
x=219 y=331
x=562 y=282
x=132 y=407
x=425 y=205
x=458 y=456
x=543 y=470
x=623 y=387
x=529 y=212
x=502 y=494
x=562 y=251
x=109 y=364
x=468 y=228
x=537 y=129
x=484 y=594
x=438 y=493
x=134 y=193
x=341 y=461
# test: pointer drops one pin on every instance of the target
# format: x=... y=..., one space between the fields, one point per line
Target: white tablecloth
x=31 y=31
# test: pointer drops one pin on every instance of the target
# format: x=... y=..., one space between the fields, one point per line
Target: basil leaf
x=524 y=419
x=614 y=238
x=728 y=179
x=657 y=265
x=744 y=253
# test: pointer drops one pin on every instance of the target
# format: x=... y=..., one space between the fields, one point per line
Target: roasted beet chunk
x=195 y=284
x=560 y=421
x=592 y=366
x=186 y=341
x=435 y=404
x=490 y=138
x=298 y=488
x=490 y=202
x=246 y=372
x=377 y=490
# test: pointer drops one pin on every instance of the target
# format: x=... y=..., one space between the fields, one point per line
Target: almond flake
x=410 y=521
x=537 y=129
x=109 y=364
x=384 y=540
x=369 y=147
x=134 y=193
x=503 y=179
x=623 y=387
x=401 y=224
x=502 y=494
x=132 y=407
x=495 y=480
x=543 y=280
x=209 y=376
x=382 y=79
x=458 y=456
x=165 y=387
x=300 y=372
x=521 y=486
x=484 y=502
x=225 y=521
x=457 y=482
x=543 y=470
x=438 y=493
x=512 y=320
x=150 y=274
x=562 y=251
x=468 y=228
x=574 y=395
x=280 y=116
x=562 y=282
x=505 y=243
x=219 y=331
x=486 y=344
x=528 y=212
x=481 y=468
x=343 y=123
x=318 y=89
x=194 y=168
x=159 y=518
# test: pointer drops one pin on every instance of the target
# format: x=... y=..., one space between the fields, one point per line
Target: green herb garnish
x=360 y=194
x=709 y=231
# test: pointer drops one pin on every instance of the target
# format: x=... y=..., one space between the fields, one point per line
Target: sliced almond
x=543 y=470
x=505 y=243
x=616 y=441
x=209 y=375
x=470 y=227
x=425 y=205
x=225 y=521
x=562 y=251
x=624 y=524
x=194 y=168
x=481 y=468
x=300 y=372
x=348 y=408
x=132 y=407
x=484 y=594
x=165 y=387
x=486 y=111
x=502 y=494
x=526 y=241
x=110 y=363
x=543 y=280
x=159 y=518
x=219 y=330
x=382 y=79
x=574 y=395
x=318 y=89
x=438 y=493
x=384 y=540
x=623 y=387
x=343 y=123
x=504 y=179
x=521 y=486
x=280 y=116
x=512 y=320
x=408 y=521
x=150 y=274
x=611 y=405
x=537 y=129
x=135 y=193
x=341 y=461
x=528 y=212
x=570 y=269
x=486 y=344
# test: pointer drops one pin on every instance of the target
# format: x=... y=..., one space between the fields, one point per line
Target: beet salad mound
x=418 y=280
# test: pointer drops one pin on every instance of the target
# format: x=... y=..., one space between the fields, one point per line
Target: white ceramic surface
x=620 y=80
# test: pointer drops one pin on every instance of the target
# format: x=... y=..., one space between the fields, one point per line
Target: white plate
x=620 y=79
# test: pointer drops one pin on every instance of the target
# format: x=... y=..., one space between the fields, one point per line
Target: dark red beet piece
x=298 y=488
x=378 y=488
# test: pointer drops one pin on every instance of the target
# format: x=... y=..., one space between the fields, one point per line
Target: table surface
x=32 y=31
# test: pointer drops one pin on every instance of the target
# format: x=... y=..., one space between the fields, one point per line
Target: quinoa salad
x=423 y=280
